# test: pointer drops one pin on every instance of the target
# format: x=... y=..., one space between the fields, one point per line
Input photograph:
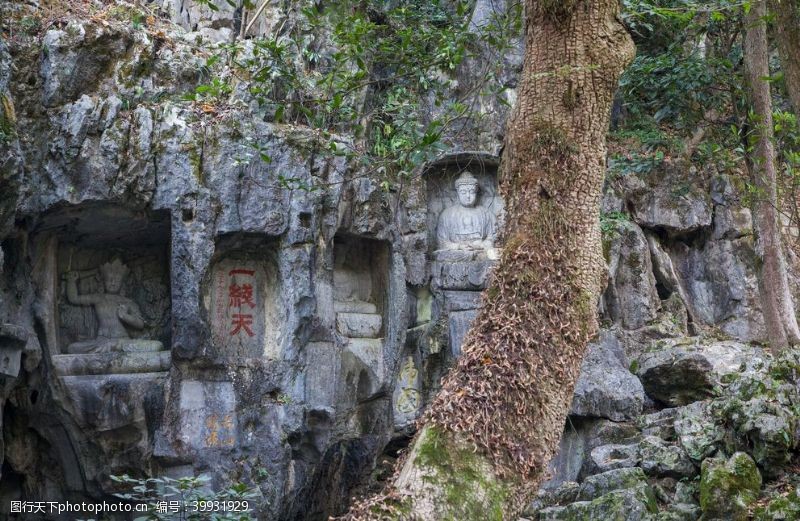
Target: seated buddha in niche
x=115 y=313
x=465 y=231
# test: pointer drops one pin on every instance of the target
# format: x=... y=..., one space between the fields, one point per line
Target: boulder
x=766 y=425
x=609 y=457
x=668 y=200
x=678 y=373
x=661 y=424
x=632 y=504
x=729 y=487
x=601 y=484
x=660 y=459
x=698 y=436
x=606 y=388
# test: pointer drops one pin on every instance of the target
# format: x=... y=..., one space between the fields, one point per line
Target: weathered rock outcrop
x=299 y=317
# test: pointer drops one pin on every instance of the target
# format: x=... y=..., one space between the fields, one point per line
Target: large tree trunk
x=787 y=36
x=776 y=300
x=488 y=436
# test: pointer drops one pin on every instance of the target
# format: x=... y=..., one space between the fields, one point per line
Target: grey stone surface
x=660 y=459
x=601 y=484
x=347 y=303
x=12 y=342
x=667 y=199
x=698 y=437
x=630 y=297
x=112 y=363
x=463 y=275
x=633 y=504
x=681 y=372
x=459 y=323
x=610 y=457
x=606 y=388
x=565 y=467
x=461 y=300
x=661 y=423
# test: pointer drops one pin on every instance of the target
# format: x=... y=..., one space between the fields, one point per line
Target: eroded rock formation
x=286 y=338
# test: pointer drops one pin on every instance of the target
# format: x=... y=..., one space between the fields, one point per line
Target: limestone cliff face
x=293 y=333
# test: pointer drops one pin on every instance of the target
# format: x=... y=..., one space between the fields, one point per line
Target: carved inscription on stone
x=208 y=414
x=244 y=313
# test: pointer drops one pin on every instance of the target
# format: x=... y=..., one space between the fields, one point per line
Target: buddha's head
x=467 y=189
x=114 y=274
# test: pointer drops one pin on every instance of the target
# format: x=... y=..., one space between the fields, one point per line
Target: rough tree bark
x=488 y=436
x=787 y=37
x=776 y=300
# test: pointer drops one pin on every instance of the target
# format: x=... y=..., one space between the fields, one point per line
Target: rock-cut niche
x=464 y=209
x=104 y=279
x=465 y=213
x=361 y=293
x=243 y=299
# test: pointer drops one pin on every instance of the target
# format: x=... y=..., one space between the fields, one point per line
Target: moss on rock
x=729 y=488
x=471 y=490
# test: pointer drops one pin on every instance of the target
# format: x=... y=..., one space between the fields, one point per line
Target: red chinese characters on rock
x=240 y=297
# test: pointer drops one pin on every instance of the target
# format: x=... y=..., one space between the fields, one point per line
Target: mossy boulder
x=779 y=506
x=729 y=488
x=766 y=429
x=617 y=479
x=630 y=504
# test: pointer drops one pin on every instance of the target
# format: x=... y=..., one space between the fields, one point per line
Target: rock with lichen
x=729 y=487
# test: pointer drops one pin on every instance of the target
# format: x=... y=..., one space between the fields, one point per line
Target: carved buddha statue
x=465 y=230
x=115 y=313
x=351 y=289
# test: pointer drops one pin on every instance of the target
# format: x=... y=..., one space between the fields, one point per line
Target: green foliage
x=687 y=76
x=634 y=163
x=371 y=70
x=235 y=502
x=673 y=86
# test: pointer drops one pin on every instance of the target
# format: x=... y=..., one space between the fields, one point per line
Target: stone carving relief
x=102 y=274
x=360 y=279
x=464 y=215
x=407 y=396
x=115 y=313
x=356 y=290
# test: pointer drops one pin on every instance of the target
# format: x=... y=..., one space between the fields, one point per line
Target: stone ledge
x=112 y=363
x=359 y=325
